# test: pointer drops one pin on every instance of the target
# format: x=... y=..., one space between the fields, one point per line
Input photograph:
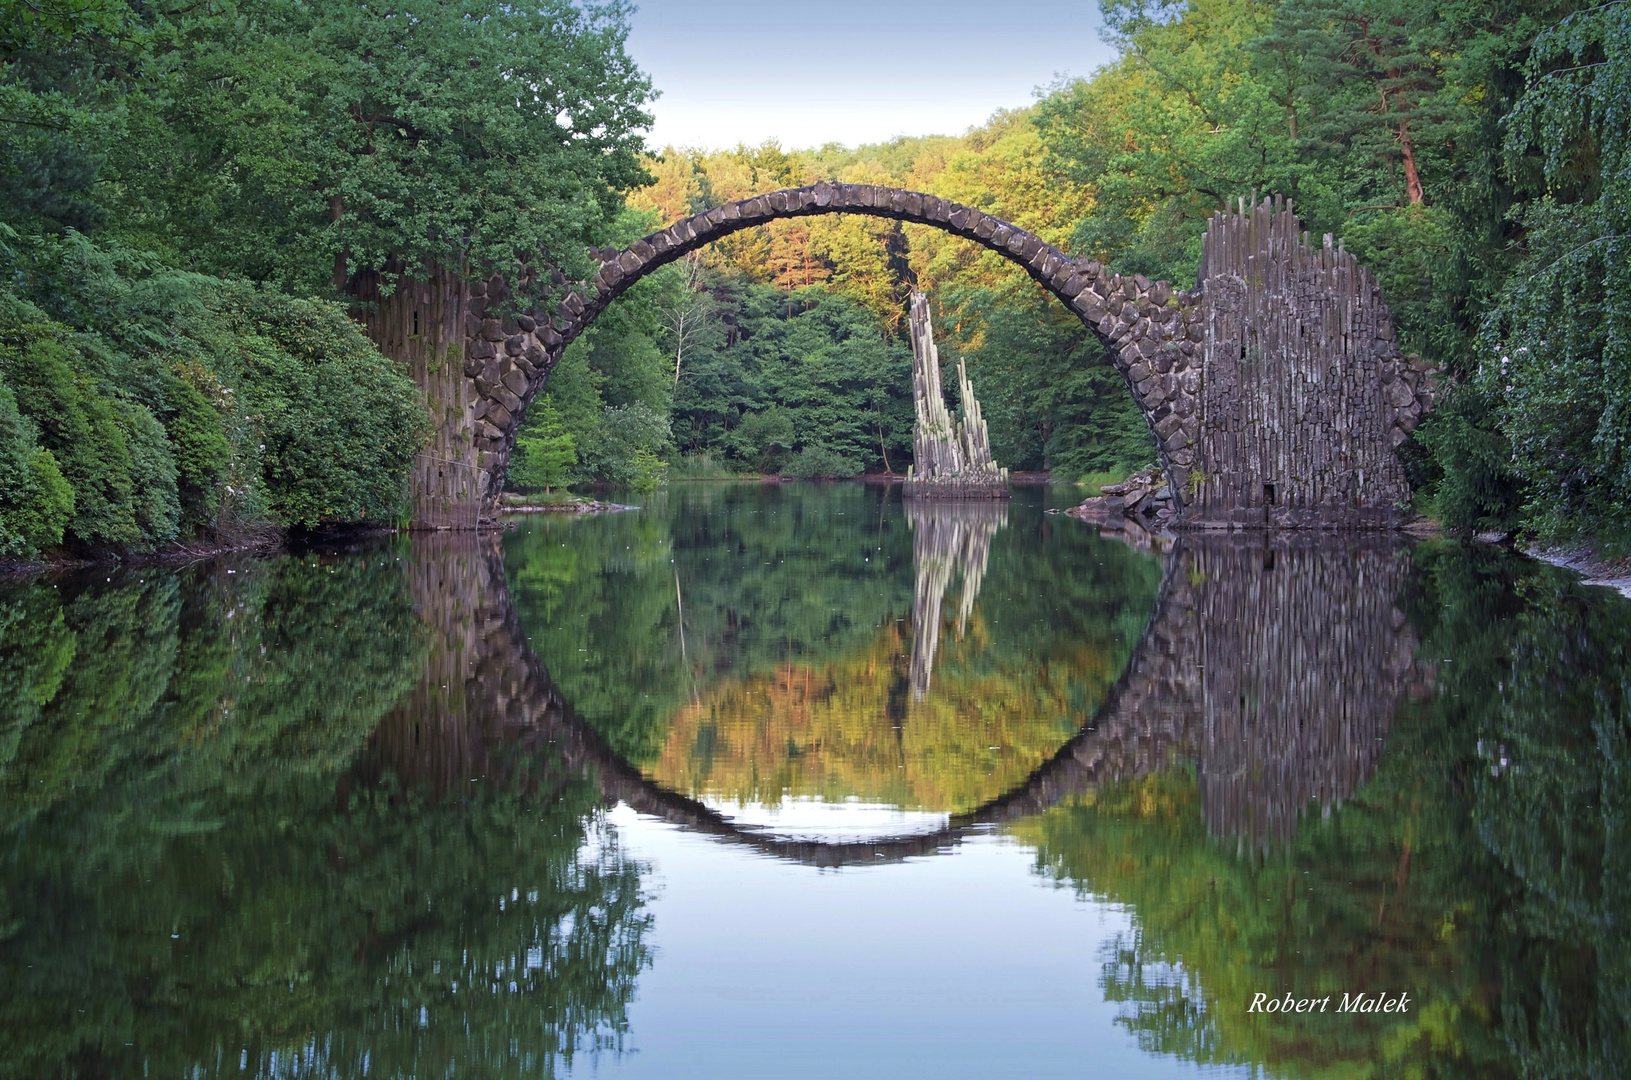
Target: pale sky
x=851 y=71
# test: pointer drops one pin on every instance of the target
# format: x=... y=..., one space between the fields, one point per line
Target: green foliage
x=1050 y=397
x=36 y=502
x=543 y=459
x=625 y=449
x=795 y=372
x=646 y=471
x=337 y=423
x=1555 y=356
x=82 y=427
x=1476 y=488
x=816 y=462
x=282 y=139
x=178 y=402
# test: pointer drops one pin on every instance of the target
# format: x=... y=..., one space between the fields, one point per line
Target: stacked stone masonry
x=1329 y=409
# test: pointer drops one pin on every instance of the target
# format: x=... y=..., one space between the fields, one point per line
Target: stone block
x=515 y=346
x=481 y=349
x=516 y=382
x=1138 y=372
x=472 y=367
x=491 y=330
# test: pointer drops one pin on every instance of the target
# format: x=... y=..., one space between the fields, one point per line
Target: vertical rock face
x=1303 y=395
x=422 y=326
x=951 y=461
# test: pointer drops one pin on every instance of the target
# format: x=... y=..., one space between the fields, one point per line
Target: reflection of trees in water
x=947 y=535
x=197 y=883
x=1480 y=865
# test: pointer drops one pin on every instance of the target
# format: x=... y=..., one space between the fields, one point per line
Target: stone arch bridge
x=1275 y=391
x=1271 y=663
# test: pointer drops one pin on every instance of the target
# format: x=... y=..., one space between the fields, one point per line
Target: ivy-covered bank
x=142 y=406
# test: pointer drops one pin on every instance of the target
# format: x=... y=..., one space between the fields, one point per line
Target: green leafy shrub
x=1477 y=488
x=79 y=425
x=177 y=402
x=336 y=423
x=820 y=463
x=36 y=503
x=627 y=447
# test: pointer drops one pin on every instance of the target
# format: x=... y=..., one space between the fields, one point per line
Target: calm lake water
x=797 y=781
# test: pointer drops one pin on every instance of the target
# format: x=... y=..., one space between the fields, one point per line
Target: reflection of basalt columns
x=949 y=461
x=946 y=536
x=1275 y=664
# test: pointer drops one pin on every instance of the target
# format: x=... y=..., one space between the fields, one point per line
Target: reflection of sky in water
x=967 y=965
x=815 y=819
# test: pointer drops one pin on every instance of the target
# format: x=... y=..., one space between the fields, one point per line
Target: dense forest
x=192 y=193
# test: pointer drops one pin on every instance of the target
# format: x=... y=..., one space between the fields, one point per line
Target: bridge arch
x=1150 y=332
x=1275 y=392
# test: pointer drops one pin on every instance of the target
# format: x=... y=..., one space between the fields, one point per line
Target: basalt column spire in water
x=949 y=461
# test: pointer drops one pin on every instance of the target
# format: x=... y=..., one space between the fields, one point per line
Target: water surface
x=797 y=781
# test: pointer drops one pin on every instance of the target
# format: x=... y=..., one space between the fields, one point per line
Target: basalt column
x=950 y=461
x=422 y=324
x=1304 y=395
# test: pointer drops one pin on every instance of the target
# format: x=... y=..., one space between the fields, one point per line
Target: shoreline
x=1592 y=568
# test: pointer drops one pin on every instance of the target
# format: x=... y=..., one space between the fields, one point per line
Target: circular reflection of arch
x=1274 y=665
